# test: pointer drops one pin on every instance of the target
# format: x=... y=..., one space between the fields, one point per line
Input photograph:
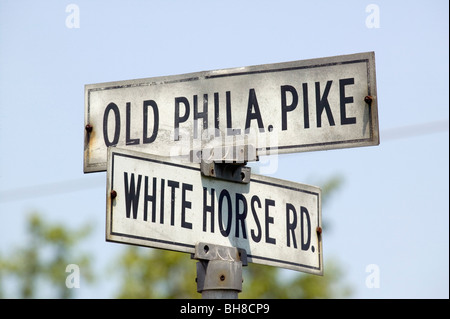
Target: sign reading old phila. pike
x=299 y=106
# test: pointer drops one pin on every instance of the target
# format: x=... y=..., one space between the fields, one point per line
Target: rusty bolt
x=113 y=194
x=89 y=128
x=319 y=230
x=368 y=99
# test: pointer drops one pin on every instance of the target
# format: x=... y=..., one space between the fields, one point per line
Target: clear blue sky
x=392 y=210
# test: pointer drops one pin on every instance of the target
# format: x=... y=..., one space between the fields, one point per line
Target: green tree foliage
x=154 y=273
x=262 y=281
x=42 y=261
x=147 y=273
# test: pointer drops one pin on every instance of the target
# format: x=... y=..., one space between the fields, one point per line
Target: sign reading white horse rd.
x=157 y=202
x=299 y=106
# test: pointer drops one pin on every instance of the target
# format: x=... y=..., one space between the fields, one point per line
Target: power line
x=67 y=186
x=415 y=130
x=80 y=184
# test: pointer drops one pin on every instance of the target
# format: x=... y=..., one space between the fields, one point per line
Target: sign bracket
x=227 y=163
x=219 y=270
x=227 y=171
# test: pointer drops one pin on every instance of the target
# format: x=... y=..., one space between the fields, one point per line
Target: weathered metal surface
x=161 y=203
x=299 y=106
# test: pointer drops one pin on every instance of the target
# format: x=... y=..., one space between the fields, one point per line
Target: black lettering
x=208 y=208
x=150 y=198
x=290 y=227
x=253 y=103
x=216 y=113
x=179 y=119
x=225 y=232
x=322 y=103
x=256 y=236
x=132 y=194
x=269 y=220
x=173 y=185
x=345 y=100
x=287 y=108
x=111 y=106
x=129 y=140
x=149 y=139
x=230 y=129
x=304 y=213
x=240 y=217
x=185 y=205
x=161 y=213
x=203 y=115
x=305 y=105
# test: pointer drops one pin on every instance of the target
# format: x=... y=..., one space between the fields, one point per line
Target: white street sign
x=157 y=202
x=299 y=106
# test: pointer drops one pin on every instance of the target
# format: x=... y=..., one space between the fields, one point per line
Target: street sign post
x=299 y=106
x=159 y=202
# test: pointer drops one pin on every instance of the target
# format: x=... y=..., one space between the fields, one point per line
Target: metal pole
x=219 y=271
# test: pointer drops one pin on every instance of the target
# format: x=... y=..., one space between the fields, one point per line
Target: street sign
x=158 y=202
x=299 y=106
